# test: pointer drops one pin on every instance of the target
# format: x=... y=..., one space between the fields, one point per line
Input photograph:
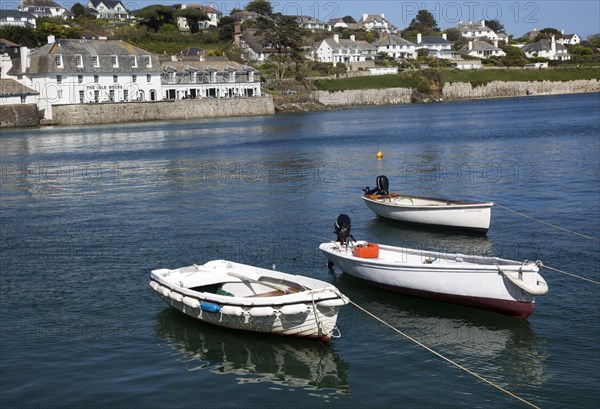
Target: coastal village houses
x=482 y=49
x=17 y=18
x=545 y=48
x=396 y=47
x=478 y=30
x=109 y=9
x=438 y=47
x=355 y=54
x=45 y=8
x=214 y=16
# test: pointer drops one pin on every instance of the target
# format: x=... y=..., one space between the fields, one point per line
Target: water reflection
x=500 y=348
x=254 y=358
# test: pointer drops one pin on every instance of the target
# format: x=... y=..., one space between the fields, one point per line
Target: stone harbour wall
x=365 y=97
x=500 y=89
x=90 y=114
x=19 y=115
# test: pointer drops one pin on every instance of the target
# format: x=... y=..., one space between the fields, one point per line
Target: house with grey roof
x=214 y=16
x=396 y=47
x=212 y=78
x=17 y=18
x=109 y=9
x=12 y=92
x=45 y=8
x=254 y=46
x=351 y=52
x=545 y=48
x=68 y=71
x=310 y=23
x=568 y=39
x=482 y=49
x=438 y=47
x=376 y=22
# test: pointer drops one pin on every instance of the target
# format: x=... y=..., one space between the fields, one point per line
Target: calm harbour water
x=86 y=213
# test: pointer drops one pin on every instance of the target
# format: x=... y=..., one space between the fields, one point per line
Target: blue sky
x=518 y=16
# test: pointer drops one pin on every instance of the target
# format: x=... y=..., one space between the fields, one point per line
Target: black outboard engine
x=382 y=187
x=342 y=228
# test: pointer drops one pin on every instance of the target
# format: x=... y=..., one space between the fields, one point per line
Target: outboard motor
x=382 y=187
x=342 y=228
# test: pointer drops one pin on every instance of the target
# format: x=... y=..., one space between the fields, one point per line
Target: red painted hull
x=512 y=308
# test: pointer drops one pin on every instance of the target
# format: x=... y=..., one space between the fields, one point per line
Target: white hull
x=491 y=283
x=434 y=212
x=249 y=300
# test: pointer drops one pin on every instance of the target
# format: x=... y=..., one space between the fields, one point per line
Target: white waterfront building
x=68 y=71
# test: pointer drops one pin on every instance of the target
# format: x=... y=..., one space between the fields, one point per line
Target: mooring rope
x=548 y=224
x=540 y=264
x=443 y=357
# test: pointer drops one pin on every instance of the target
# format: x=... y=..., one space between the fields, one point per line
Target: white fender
x=176 y=296
x=262 y=311
x=165 y=291
x=336 y=302
x=191 y=302
x=232 y=310
x=154 y=285
x=294 y=309
x=540 y=288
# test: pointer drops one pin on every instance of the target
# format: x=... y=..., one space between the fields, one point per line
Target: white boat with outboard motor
x=453 y=214
x=244 y=297
x=505 y=286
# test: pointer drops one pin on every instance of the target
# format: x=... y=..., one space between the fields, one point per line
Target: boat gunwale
x=449 y=204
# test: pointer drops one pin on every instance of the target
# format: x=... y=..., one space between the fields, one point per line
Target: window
x=134 y=78
x=79 y=61
x=133 y=61
x=59 y=79
x=125 y=95
x=95 y=61
x=80 y=79
x=58 y=60
x=115 y=78
x=149 y=78
x=147 y=61
x=96 y=79
x=81 y=97
x=114 y=61
x=111 y=95
x=96 y=96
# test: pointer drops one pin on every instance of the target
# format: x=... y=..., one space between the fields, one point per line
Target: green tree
x=282 y=33
x=495 y=25
x=155 y=16
x=424 y=19
x=78 y=9
x=348 y=19
x=594 y=40
x=193 y=17
x=262 y=7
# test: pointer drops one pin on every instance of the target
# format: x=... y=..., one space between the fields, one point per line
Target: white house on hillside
x=478 y=30
x=438 y=47
x=214 y=16
x=336 y=50
x=568 y=39
x=70 y=71
x=396 y=47
x=45 y=8
x=310 y=23
x=109 y=9
x=545 y=48
x=376 y=22
x=17 y=18
x=482 y=49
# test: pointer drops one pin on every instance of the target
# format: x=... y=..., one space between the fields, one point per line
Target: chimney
x=496 y=43
x=336 y=38
x=562 y=32
x=552 y=43
x=24 y=59
x=353 y=37
x=51 y=39
x=470 y=45
x=419 y=38
x=237 y=32
x=444 y=36
x=365 y=16
x=482 y=23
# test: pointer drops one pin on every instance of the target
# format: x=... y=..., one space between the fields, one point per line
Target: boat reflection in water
x=501 y=348
x=255 y=358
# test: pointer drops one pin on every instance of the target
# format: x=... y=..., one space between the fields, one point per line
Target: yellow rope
x=539 y=263
x=443 y=357
x=548 y=224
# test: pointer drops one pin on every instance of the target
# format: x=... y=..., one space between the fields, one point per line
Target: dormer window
x=95 y=61
x=114 y=61
x=79 y=61
x=58 y=60
x=133 y=59
x=147 y=61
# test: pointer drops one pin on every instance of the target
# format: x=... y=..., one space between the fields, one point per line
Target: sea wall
x=365 y=97
x=90 y=114
x=19 y=115
x=500 y=89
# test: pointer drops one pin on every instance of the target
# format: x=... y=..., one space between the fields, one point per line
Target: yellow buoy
x=379 y=155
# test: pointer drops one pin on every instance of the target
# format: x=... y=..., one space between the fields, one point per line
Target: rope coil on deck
x=481 y=378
